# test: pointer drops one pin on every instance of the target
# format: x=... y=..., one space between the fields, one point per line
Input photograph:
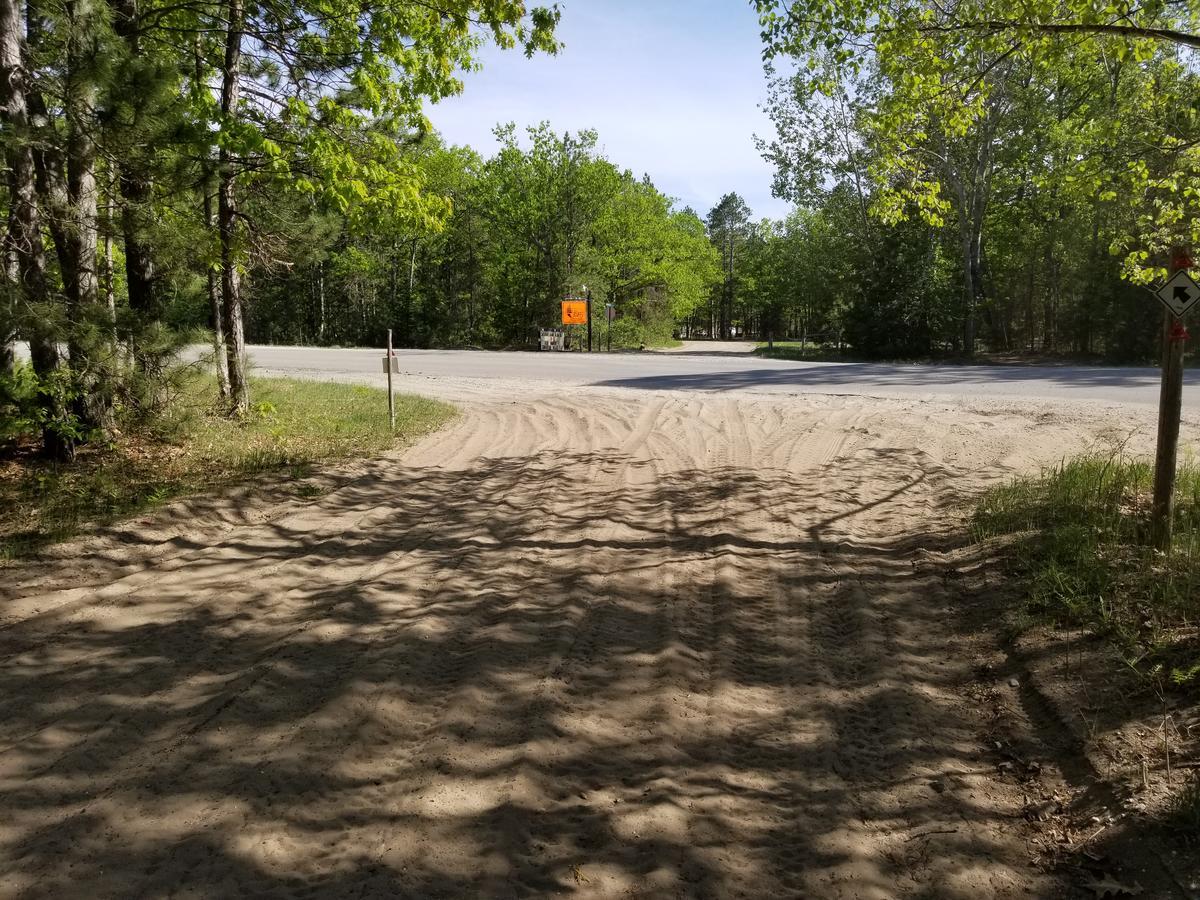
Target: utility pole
x=1170 y=410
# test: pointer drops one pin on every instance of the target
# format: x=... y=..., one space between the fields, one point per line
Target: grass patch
x=293 y=425
x=1184 y=813
x=807 y=352
x=1081 y=549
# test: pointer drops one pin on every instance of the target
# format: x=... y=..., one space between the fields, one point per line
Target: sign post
x=587 y=292
x=1179 y=294
x=390 y=364
x=610 y=313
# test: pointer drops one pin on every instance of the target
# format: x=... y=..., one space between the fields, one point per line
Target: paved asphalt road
x=697 y=368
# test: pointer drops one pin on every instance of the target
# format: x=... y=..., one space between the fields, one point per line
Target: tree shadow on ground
x=1067 y=695
x=887 y=375
x=501 y=681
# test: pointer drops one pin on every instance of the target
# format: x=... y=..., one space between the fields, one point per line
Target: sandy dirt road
x=615 y=644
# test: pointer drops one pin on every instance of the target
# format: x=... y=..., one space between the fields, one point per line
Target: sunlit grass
x=293 y=424
x=1083 y=553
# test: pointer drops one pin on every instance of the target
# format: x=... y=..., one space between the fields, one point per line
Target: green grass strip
x=1081 y=549
x=293 y=424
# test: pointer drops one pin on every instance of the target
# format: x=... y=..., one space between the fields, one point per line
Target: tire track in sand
x=657 y=644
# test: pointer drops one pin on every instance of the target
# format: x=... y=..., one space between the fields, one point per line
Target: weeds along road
x=583 y=641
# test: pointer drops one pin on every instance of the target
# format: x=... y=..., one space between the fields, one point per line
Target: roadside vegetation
x=1080 y=543
x=192 y=447
x=806 y=351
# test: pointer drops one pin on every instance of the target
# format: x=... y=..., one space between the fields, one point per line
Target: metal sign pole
x=391 y=397
x=1170 y=410
x=588 y=293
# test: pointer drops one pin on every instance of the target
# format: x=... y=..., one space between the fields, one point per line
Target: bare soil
x=612 y=644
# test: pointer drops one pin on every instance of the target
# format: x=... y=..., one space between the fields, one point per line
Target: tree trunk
x=474 y=276
x=51 y=181
x=140 y=276
x=406 y=311
x=978 y=292
x=1050 y=298
x=89 y=341
x=412 y=268
x=412 y=284
x=107 y=273
x=137 y=193
x=25 y=229
x=220 y=358
x=393 y=300
x=971 y=185
x=1088 y=301
x=968 y=247
x=221 y=361
x=8 y=310
x=231 y=289
x=321 y=303
x=727 y=292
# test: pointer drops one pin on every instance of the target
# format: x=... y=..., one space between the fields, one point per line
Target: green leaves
x=335 y=90
x=1108 y=84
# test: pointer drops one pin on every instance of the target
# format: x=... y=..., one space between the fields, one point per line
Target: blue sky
x=673 y=87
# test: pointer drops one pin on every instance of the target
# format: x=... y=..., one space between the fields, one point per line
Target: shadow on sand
x=499 y=682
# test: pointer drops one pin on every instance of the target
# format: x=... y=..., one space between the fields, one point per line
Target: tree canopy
x=1076 y=119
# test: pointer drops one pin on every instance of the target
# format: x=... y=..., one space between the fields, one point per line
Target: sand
x=609 y=644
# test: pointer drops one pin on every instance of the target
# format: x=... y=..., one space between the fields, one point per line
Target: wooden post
x=588 y=294
x=391 y=398
x=1170 y=410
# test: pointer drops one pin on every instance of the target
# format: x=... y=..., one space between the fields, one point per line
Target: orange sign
x=574 y=312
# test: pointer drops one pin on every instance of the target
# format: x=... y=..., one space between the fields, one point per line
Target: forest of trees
x=263 y=170
x=976 y=174
x=544 y=217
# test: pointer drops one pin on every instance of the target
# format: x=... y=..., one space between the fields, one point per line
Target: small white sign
x=393 y=363
x=1180 y=293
